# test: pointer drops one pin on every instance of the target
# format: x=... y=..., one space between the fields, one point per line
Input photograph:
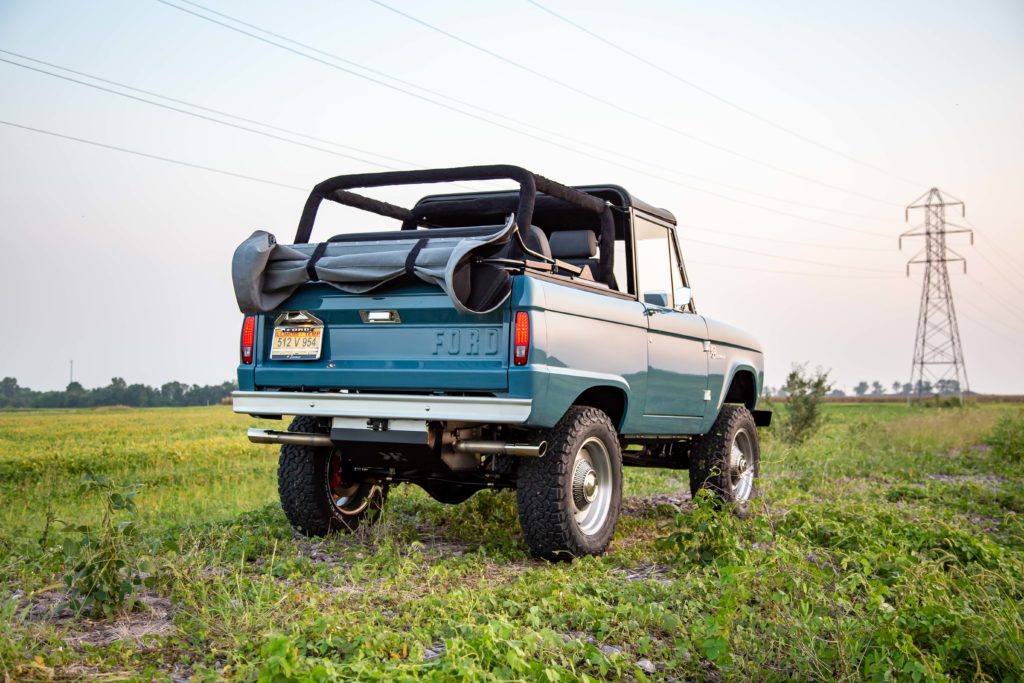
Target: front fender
x=724 y=363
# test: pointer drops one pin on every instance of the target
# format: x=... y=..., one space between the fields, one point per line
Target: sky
x=786 y=138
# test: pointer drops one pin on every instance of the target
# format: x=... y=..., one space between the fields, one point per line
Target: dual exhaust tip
x=475 y=446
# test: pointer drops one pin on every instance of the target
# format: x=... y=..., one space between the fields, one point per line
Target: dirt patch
x=649 y=506
x=646 y=572
x=151 y=617
x=988 y=481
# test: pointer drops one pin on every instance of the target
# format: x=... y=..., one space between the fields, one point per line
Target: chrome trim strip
x=399 y=406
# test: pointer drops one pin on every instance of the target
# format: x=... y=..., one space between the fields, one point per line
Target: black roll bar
x=336 y=190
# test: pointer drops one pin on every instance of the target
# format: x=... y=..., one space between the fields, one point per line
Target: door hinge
x=707 y=394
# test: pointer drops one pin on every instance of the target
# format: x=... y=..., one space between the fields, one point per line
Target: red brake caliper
x=334 y=473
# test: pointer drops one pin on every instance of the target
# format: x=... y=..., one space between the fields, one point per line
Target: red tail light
x=248 y=339
x=521 y=345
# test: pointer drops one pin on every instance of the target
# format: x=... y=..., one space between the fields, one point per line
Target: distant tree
x=877 y=389
x=896 y=386
x=908 y=389
x=947 y=386
x=11 y=394
x=837 y=393
x=861 y=389
x=924 y=387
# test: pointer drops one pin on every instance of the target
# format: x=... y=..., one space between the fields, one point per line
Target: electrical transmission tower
x=938 y=357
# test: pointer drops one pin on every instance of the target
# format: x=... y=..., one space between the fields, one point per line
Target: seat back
x=578 y=247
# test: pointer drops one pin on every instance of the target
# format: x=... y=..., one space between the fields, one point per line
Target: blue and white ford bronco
x=536 y=340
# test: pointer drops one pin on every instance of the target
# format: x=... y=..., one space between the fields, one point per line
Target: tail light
x=248 y=339
x=521 y=341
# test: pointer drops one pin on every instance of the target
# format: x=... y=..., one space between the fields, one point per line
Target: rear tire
x=314 y=494
x=727 y=460
x=569 y=499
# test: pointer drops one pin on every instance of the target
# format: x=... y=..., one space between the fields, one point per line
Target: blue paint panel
x=433 y=348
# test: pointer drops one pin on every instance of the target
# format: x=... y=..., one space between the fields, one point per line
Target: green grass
x=890 y=546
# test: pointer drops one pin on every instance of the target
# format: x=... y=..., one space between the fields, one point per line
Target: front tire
x=569 y=499
x=316 y=494
x=727 y=460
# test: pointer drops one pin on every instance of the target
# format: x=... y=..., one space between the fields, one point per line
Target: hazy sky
x=122 y=263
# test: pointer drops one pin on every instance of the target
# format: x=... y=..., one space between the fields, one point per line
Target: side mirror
x=656 y=298
x=683 y=296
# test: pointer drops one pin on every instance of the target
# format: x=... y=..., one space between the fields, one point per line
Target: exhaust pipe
x=501 y=448
x=294 y=438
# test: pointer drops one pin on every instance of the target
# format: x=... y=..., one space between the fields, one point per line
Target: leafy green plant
x=1007 y=439
x=803 y=416
x=707 y=535
x=103 y=566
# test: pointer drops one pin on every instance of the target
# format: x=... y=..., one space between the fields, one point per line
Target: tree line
x=117 y=393
x=942 y=387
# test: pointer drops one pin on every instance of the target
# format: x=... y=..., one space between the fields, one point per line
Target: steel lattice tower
x=938 y=356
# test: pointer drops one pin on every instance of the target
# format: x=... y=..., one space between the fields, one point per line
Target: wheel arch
x=611 y=400
x=742 y=388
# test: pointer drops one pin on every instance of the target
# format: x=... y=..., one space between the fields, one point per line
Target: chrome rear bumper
x=483 y=409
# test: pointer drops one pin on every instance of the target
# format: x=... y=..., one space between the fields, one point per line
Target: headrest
x=573 y=244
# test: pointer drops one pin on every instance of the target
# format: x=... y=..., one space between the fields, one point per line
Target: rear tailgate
x=431 y=347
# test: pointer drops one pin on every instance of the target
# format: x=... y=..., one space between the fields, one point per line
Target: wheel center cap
x=584 y=484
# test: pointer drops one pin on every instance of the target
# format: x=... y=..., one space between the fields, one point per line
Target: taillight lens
x=521 y=345
x=248 y=339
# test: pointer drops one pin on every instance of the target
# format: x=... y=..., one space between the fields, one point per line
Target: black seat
x=537 y=241
x=578 y=247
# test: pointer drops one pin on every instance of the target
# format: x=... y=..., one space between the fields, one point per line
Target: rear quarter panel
x=579 y=339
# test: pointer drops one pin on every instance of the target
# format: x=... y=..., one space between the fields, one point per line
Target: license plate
x=299 y=342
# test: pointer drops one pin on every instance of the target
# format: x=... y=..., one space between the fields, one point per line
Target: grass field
x=890 y=546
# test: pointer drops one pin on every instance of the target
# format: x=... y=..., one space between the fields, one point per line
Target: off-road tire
x=302 y=484
x=545 y=489
x=710 y=457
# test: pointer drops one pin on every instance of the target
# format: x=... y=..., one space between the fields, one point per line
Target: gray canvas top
x=265 y=273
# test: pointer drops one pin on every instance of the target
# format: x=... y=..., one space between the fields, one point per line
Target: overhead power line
x=1013 y=310
x=798 y=273
x=202 y=107
x=1002 y=252
x=675 y=76
x=200 y=116
x=155 y=157
x=266 y=181
x=450 y=107
x=794 y=259
x=311 y=146
x=626 y=110
x=984 y=326
x=618 y=154
x=761 y=238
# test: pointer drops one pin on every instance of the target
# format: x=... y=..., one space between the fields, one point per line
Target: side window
x=680 y=289
x=621 y=269
x=657 y=265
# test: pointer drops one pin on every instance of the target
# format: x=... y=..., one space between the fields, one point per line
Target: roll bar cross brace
x=336 y=190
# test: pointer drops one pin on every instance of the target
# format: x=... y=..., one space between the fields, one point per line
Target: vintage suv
x=536 y=340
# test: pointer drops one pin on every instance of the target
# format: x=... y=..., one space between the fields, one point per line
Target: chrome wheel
x=741 y=466
x=591 y=485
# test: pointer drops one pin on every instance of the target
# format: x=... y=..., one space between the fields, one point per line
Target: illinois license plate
x=298 y=342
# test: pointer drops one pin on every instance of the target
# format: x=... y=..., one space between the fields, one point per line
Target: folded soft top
x=265 y=273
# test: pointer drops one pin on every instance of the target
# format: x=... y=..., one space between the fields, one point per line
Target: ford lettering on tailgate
x=467 y=342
